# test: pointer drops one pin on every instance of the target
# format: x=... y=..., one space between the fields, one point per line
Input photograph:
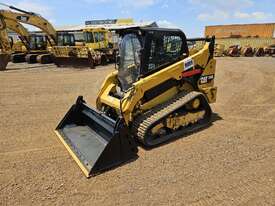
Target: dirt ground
x=230 y=163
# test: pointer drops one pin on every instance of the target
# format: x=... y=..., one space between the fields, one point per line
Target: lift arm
x=33 y=19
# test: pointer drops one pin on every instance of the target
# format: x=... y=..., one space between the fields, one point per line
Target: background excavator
x=28 y=44
x=158 y=93
x=38 y=43
x=38 y=21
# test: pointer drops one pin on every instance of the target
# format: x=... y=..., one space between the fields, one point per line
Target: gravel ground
x=230 y=163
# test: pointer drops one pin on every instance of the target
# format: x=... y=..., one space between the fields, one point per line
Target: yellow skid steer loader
x=158 y=93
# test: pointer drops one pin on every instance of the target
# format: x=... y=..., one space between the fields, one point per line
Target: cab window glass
x=89 y=37
x=96 y=36
x=164 y=49
x=101 y=36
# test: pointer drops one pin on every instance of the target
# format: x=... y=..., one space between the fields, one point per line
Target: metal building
x=241 y=30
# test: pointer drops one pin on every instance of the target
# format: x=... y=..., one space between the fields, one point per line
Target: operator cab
x=38 y=42
x=65 y=39
x=144 y=51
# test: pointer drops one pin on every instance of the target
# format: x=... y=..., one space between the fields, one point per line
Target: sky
x=189 y=15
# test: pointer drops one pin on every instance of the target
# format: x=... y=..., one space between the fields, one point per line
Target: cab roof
x=143 y=30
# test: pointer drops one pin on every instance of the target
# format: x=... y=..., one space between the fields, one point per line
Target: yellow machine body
x=96 y=38
x=97 y=49
x=132 y=104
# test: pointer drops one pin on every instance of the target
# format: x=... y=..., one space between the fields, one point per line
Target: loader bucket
x=4 y=60
x=77 y=62
x=96 y=142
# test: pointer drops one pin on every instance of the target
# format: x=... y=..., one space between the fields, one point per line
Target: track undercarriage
x=187 y=112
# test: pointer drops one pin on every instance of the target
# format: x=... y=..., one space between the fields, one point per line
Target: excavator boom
x=20 y=30
x=6 y=49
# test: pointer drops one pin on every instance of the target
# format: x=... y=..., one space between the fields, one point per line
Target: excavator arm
x=20 y=30
x=33 y=19
x=6 y=49
x=5 y=44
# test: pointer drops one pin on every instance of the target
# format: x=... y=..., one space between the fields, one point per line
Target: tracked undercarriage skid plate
x=95 y=141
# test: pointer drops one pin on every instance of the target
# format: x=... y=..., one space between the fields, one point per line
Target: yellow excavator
x=159 y=92
x=19 y=49
x=28 y=44
x=38 y=43
x=38 y=21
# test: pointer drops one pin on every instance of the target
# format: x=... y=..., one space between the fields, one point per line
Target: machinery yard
x=232 y=162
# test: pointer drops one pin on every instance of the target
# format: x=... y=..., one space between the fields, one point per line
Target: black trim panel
x=159 y=89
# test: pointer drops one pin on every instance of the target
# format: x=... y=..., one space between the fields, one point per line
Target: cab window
x=101 y=36
x=164 y=49
x=97 y=36
x=89 y=37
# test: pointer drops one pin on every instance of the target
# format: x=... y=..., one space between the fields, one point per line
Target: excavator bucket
x=95 y=141
x=4 y=60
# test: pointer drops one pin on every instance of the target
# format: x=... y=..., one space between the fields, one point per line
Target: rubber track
x=143 y=122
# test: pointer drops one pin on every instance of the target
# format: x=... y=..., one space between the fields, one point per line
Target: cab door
x=90 y=40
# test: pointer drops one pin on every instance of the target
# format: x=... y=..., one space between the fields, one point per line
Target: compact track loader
x=158 y=93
